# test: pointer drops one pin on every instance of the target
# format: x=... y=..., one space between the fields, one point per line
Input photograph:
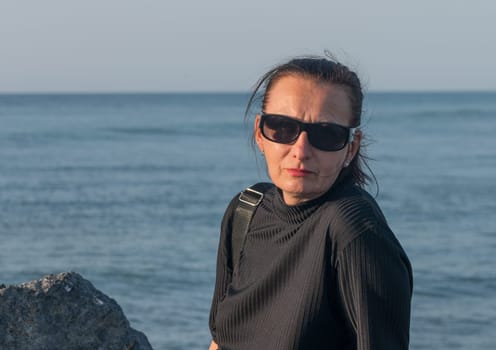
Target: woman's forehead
x=308 y=99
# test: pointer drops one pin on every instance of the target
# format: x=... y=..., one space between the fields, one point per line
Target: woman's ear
x=354 y=146
x=257 y=133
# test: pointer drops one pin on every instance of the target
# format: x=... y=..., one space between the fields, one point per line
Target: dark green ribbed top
x=326 y=274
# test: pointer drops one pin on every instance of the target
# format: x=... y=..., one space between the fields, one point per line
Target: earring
x=346 y=164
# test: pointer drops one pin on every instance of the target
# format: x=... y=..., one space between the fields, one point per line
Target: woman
x=319 y=267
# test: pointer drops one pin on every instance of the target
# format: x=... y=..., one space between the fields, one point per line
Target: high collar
x=295 y=214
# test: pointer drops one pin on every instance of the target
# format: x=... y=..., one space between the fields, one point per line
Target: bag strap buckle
x=251 y=197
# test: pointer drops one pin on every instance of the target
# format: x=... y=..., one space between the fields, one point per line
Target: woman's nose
x=302 y=148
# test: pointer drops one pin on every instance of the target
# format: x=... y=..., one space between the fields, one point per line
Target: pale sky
x=225 y=45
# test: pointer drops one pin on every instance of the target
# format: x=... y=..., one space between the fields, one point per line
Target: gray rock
x=64 y=311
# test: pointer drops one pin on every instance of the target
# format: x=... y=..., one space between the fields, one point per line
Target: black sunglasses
x=324 y=136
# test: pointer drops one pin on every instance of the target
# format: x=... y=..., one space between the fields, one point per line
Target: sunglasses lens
x=328 y=137
x=280 y=129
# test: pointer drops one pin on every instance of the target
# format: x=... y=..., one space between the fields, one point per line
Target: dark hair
x=328 y=70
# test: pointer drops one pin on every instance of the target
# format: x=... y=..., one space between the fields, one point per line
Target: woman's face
x=301 y=171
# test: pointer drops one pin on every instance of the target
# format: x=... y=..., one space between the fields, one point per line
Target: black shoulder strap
x=248 y=202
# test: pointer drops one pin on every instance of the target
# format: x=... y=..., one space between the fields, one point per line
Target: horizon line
x=233 y=92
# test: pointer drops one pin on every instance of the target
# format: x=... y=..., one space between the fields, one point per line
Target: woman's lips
x=298 y=172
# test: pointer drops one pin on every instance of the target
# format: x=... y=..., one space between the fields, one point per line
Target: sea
x=129 y=190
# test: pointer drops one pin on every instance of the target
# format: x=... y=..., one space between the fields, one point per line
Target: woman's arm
x=375 y=282
x=223 y=269
x=213 y=346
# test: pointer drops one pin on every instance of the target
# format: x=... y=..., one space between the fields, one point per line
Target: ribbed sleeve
x=224 y=266
x=375 y=287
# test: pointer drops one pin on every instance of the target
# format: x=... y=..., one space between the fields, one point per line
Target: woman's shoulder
x=356 y=205
x=349 y=199
x=251 y=196
x=353 y=212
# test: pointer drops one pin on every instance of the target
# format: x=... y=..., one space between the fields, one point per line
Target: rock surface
x=64 y=311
